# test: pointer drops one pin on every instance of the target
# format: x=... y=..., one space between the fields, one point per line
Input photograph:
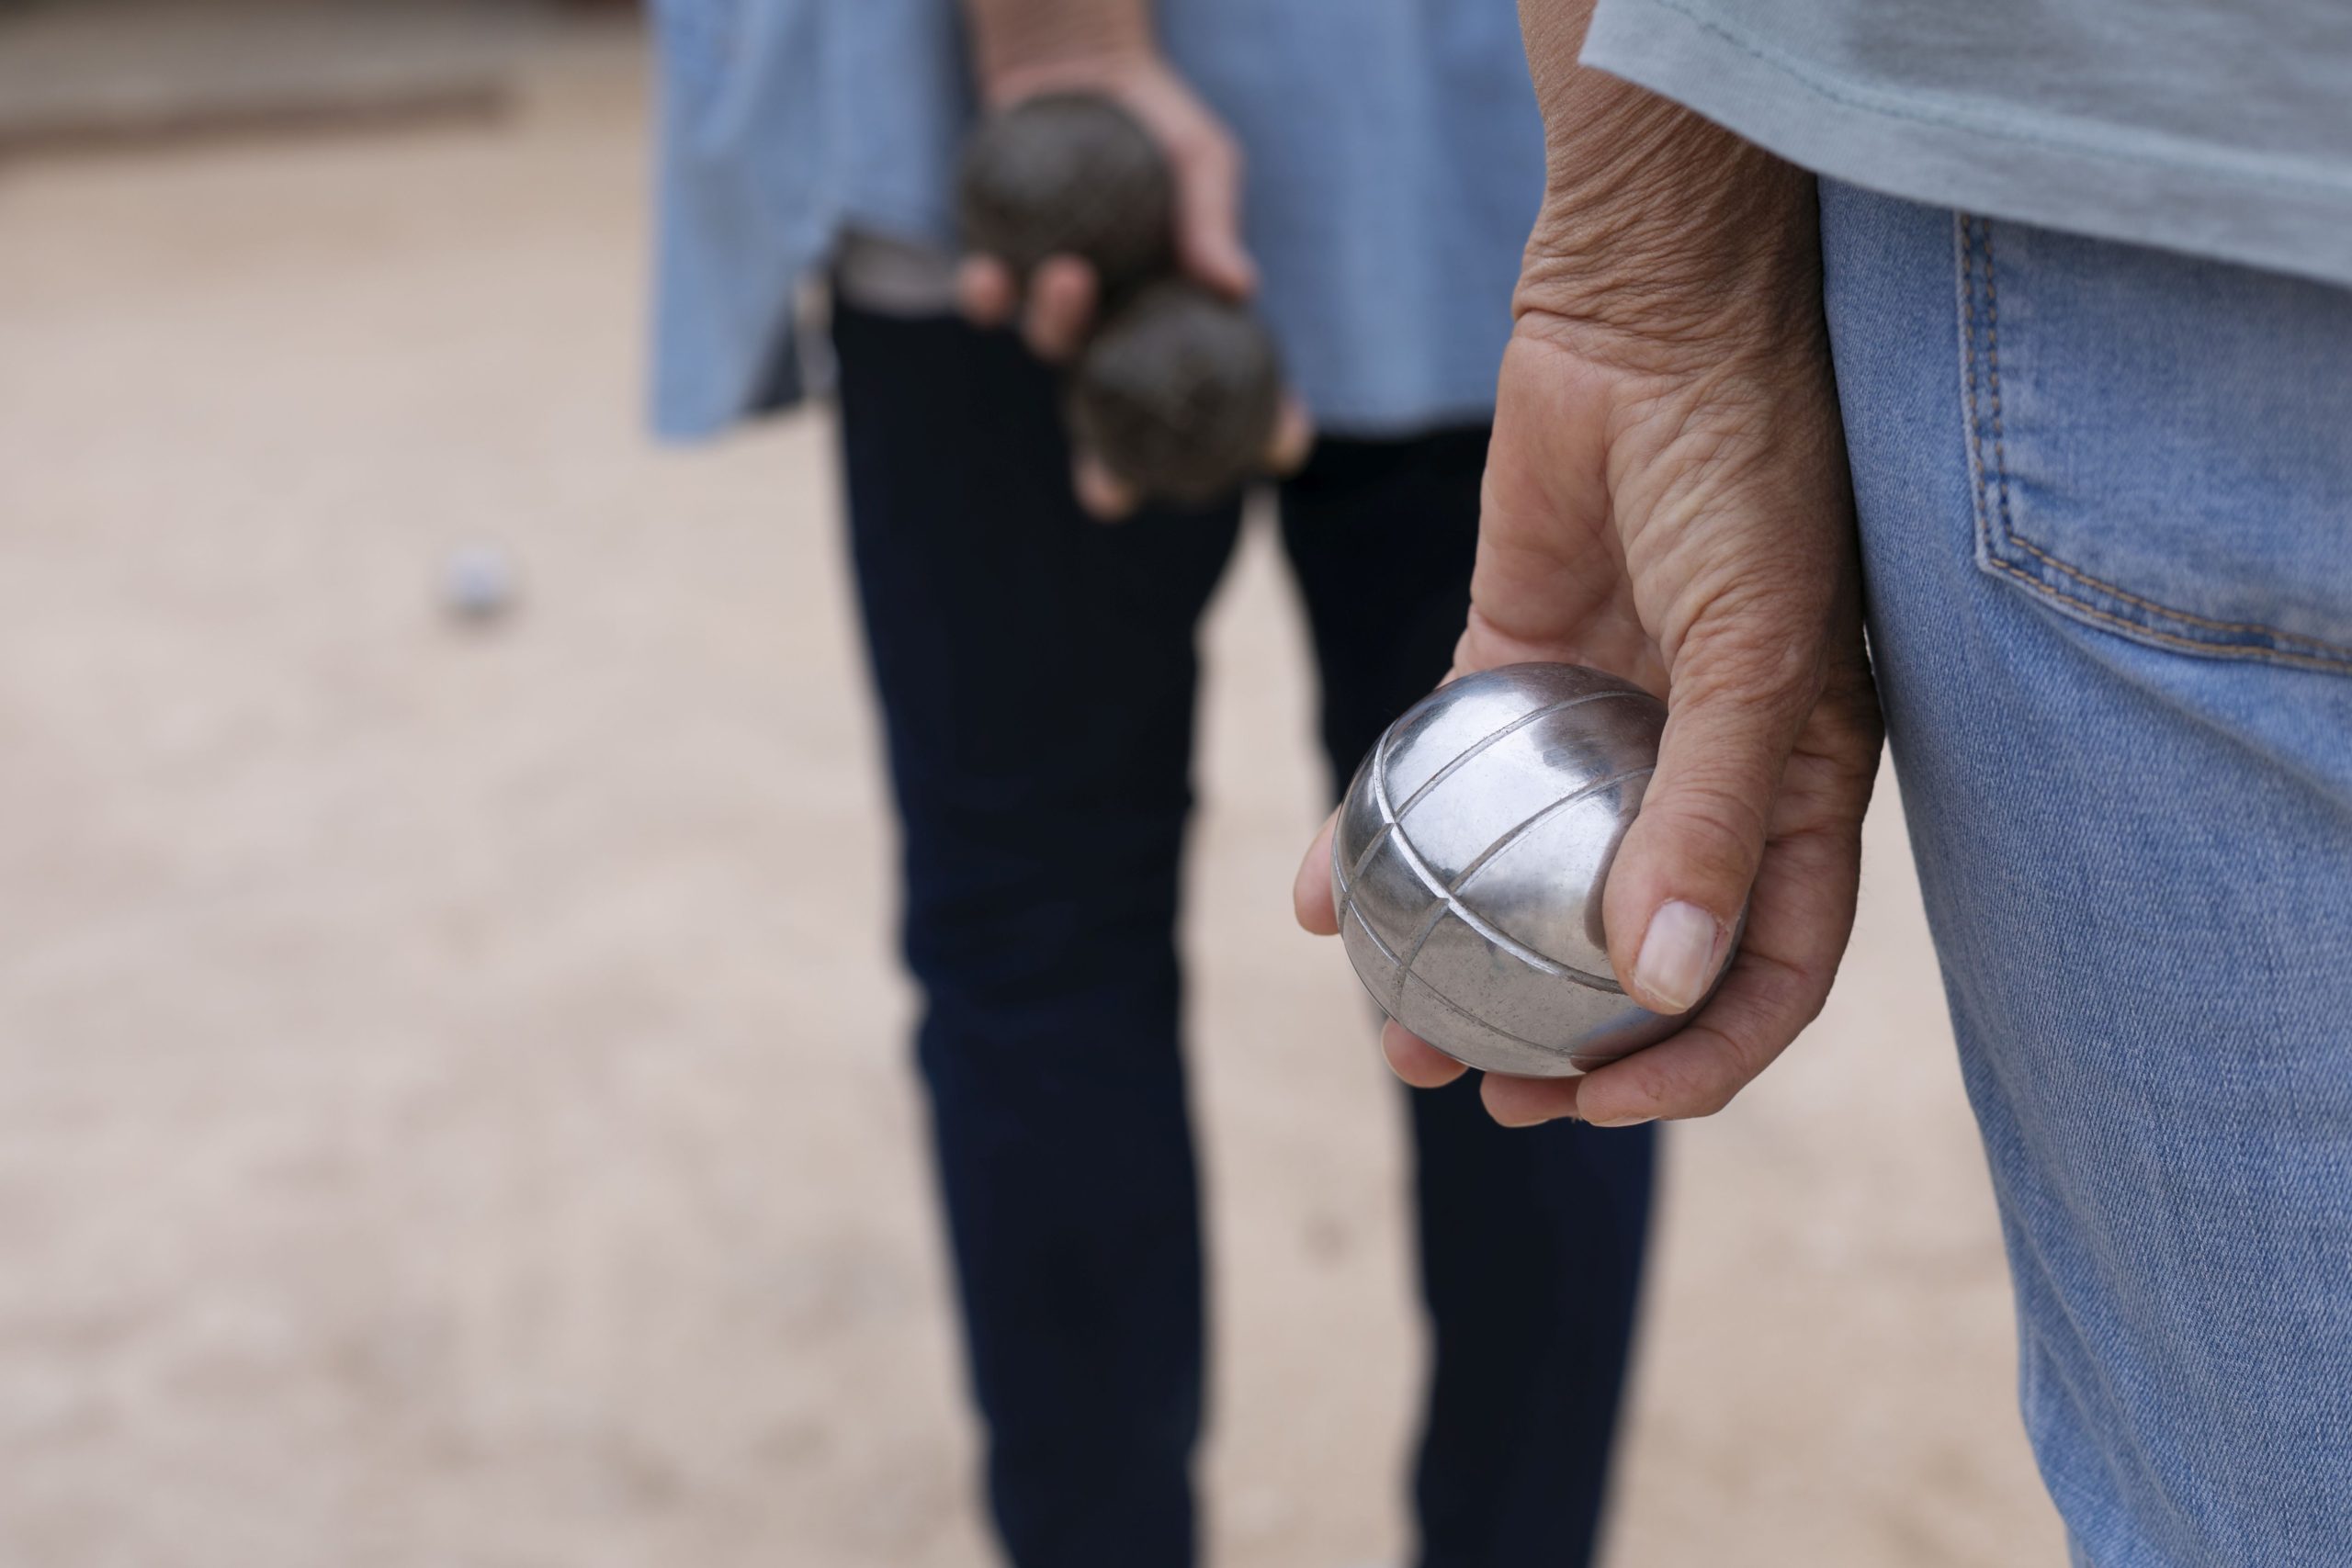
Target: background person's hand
x=1203 y=158
x=1030 y=47
x=1667 y=499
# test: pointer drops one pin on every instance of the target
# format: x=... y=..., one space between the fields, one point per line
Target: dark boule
x=1069 y=173
x=1178 y=394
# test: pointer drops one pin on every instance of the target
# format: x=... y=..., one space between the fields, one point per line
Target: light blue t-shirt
x=2220 y=128
x=1396 y=161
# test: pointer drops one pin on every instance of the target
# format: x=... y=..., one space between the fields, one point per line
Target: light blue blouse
x=1396 y=159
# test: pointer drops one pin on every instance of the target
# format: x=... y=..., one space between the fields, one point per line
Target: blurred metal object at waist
x=1469 y=861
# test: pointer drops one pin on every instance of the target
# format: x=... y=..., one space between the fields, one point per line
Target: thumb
x=1681 y=877
x=1208 y=213
x=1207 y=163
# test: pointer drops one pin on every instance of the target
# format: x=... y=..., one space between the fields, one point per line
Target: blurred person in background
x=2035 y=320
x=1367 y=170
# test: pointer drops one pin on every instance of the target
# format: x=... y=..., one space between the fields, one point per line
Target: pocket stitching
x=1998 y=519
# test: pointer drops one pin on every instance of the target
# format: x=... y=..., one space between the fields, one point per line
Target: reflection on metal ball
x=1469 y=861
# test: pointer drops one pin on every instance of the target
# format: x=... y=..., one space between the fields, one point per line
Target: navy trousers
x=1036 y=673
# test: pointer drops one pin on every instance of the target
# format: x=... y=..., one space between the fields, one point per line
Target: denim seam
x=1997 y=521
x=2189 y=644
x=1993 y=380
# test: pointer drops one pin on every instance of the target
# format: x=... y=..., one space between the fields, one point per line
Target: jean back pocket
x=2161 y=446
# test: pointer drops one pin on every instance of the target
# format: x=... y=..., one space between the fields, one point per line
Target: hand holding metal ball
x=1469 y=859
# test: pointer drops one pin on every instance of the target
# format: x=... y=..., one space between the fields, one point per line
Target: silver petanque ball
x=1469 y=861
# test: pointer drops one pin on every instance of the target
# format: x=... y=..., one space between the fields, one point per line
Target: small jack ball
x=1069 y=173
x=1178 y=394
x=479 y=583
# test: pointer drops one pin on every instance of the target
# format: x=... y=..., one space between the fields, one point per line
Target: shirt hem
x=1983 y=157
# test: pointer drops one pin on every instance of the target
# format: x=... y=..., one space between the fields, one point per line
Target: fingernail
x=1678 y=956
x=1621 y=1120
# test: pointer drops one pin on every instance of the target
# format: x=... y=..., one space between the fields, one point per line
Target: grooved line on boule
x=1458 y=1010
x=1429 y=880
x=1477 y=746
x=1379 y=764
x=1486 y=858
x=1448 y=1003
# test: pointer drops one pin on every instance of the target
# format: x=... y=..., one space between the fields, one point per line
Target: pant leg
x=1531 y=1240
x=2105 y=501
x=1036 y=673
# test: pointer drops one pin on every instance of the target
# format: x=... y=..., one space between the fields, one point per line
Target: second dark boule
x=1178 y=394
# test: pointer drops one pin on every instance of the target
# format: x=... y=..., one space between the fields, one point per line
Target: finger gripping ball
x=1469 y=861
x=1178 y=394
x=1069 y=173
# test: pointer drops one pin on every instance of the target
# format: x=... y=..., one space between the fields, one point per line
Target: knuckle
x=1652 y=1084
x=1716 y=1081
x=1749 y=645
x=1715 y=831
x=1715 y=1098
x=1697 y=1097
x=1214 y=162
x=1677 y=1086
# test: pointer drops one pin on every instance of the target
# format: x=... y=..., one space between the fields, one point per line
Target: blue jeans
x=1036 y=673
x=2106 y=499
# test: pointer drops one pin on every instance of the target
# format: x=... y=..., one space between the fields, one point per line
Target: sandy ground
x=452 y=1101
